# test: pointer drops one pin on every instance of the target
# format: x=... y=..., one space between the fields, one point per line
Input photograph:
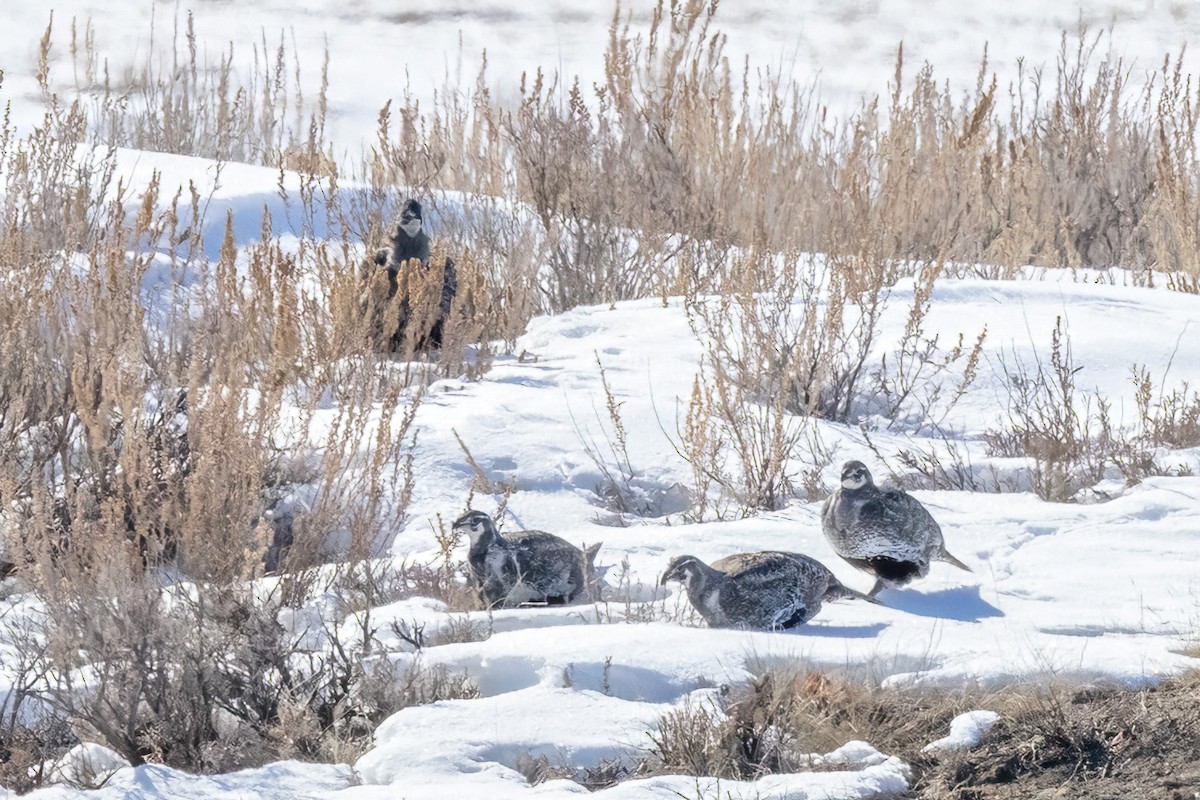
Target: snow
x=854 y=753
x=87 y=764
x=888 y=779
x=427 y=752
x=425 y=746
x=966 y=731
x=283 y=780
x=1106 y=591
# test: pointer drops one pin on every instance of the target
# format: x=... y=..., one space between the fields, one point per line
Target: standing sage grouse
x=427 y=310
x=765 y=591
x=525 y=567
x=888 y=534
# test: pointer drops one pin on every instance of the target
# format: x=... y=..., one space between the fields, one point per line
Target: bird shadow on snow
x=631 y=682
x=841 y=631
x=961 y=603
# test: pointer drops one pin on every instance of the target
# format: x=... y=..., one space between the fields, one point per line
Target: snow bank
x=966 y=731
x=283 y=780
x=87 y=764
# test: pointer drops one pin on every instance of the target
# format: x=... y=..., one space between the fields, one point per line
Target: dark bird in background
x=886 y=533
x=762 y=591
x=411 y=242
x=526 y=567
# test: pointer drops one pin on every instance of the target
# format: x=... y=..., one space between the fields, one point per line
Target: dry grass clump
x=944 y=463
x=541 y=768
x=1069 y=431
x=27 y=752
x=368 y=583
x=176 y=101
x=29 y=742
x=728 y=415
x=1166 y=420
x=1101 y=742
x=199 y=677
x=1088 y=742
x=793 y=338
x=1064 y=429
x=777 y=721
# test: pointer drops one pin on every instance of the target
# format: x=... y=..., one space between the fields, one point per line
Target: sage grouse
x=525 y=567
x=411 y=242
x=766 y=591
x=888 y=534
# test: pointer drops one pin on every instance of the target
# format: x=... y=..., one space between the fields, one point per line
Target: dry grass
x=1081 y=740
x=638 y=186
x=1069 y=433
x=177 y=101
x=791 y=338
x=1064 y=428
x=158 y=459
x=1076 y=166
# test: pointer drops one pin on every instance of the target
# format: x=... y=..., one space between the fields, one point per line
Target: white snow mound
x=966 y=731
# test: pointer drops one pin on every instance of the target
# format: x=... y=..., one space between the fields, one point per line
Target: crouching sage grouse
x=888 y=534
x=764 y=591
x=525 y=567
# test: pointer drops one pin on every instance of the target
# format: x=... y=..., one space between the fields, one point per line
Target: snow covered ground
x=1107 y=590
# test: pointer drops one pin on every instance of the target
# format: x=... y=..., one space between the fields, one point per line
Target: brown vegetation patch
x=1057 y=740
x=1082 y=743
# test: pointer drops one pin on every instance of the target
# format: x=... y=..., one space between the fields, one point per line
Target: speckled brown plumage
x=769 y=590
x=527 y=566
x=888 y=534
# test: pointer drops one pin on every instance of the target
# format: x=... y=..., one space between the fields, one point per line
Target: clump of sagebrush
x=942 y=464
x=1070 y=433
x=1062 y=428
x=156 y=466
x=1106 y=741
x=541 y=768
x=766 y=348
x=29 y=741
x=1166 y=420
x=782 y=718
x=792 y=337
